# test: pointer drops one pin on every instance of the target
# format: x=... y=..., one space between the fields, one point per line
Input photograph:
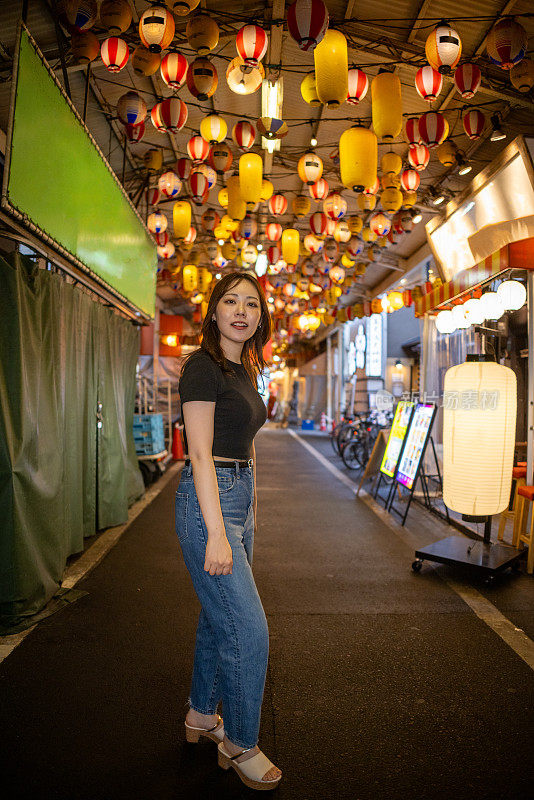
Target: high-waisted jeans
x=232 y=641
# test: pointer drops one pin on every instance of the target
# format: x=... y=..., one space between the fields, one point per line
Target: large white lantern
x=512 y=295
x=458 y=315
x=492 y=305
x=479 y=421
x=474 y=311
x=445 y=322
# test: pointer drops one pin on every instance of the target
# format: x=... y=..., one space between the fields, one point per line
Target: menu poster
x=415 y=443
x=401 y=420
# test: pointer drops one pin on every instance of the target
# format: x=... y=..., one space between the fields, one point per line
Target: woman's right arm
x=198 y=420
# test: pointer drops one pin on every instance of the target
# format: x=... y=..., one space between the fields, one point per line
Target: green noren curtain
x=62 y=478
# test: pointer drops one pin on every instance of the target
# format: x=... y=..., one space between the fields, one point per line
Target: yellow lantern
x=395 y=300
x=360 y=268
x=85 y=47
x=144 y=62
x=267 y=190
x=250 y=178
x=368 y=235
x=342 y=233
x=446 y=153
x=376 y=306
x=249 y=254
x=183 y=7
x=290 y=246
x=204 y=278
x=358 y=157
x=213 y=129
x=229 y=223
x=522 y=75
x=391 y=200
x=222 y=197
x=390 y=181
x=153 y=160
x=236 y=205
x=115 y=16
x=386 y=105
x=308 y=90
x=391 y=163
x=346 y=261
x=366 y=202
x=409 y=199
x=229 y=250
x=221 y=233
x=301 y=206
x=355 y=224
x=202 y=34
x=331 y=69
x=181 y=218
x=189 y=278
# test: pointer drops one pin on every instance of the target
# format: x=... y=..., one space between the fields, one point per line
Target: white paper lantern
x=479 y=420
x=445 y=322
x=492 y=305
x=512 y=295
x=458 y=315
x=474 y=311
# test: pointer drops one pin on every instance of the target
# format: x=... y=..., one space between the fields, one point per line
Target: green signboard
x=58 y=183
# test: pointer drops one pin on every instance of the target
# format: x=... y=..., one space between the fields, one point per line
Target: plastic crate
x=148 y=434
x=148 y=422
x=308 y=424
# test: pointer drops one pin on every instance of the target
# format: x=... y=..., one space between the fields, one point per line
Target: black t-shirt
x=239 y=410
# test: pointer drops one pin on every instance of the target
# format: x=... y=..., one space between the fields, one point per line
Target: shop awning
x=517 y=255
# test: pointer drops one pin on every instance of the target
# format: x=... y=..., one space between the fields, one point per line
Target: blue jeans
x=232 y=641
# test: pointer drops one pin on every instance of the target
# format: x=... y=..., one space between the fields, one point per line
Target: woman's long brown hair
x=252 y=353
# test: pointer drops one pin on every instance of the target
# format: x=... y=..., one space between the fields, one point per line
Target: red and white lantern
x=277 y=204
x=220 y=158
x=319 y=190
x=198 y=186
x=190 y=236
x=251 y=44
x=134 y=133
x=358 y=86
x=410 y=180
x=330 y=250
x=433 y=129
x=380 y=224
x=273 y=231
x=169 y=184
x=318 y=223
x=169 y=116
x=210 y=219
x=307 y=22
x=153 y=196
x=161 y=238
x=467 y=79
x=198 y=149
x=418 y=156
x=273 y=254
x=244 y=134
x=173 y=69
x=114 y=53
x=474 y=122
x=374 y=188
x=428 y=82
x=335 y=206
x=412 y=130
x=507 y=43
x=183 y=168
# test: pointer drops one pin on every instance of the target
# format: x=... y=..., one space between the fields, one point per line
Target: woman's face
x=238 y=312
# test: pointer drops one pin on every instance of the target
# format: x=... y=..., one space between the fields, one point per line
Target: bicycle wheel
x=344 y=436
x=353 y=455
x=333 y=439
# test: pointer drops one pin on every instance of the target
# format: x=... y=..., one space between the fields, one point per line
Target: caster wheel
x=416 y=566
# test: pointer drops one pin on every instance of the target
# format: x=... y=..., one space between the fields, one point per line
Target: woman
x=215 y=521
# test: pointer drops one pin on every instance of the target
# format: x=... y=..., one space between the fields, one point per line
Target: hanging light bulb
x=313 y=142
x=417 y=217
x=497 y=133
x=464 y=165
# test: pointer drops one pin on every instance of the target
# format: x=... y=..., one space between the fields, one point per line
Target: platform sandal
x=216 y=733
x=250 y=771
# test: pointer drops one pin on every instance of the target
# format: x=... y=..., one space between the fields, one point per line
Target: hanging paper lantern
x=474 y=121
x=144 y=62
x=202 y=34
x=244 y=134
x=395 y=300
x=428 y=83
x=380 y=224
x=222 y=197
x=161 y=238
x=330 y=251
x=114 y=53
x=391 y=200
x=358 y=154
x=391 y=163
x=307 y=22
x=190 y=237
x=274 y=254
x=373 y=188
x=342 y=232
x=277 y=204
x=78 y=15
x=386 y=105
x=240 y=80
x=330 y=226
x=446 y=153
x=301 y=206
x=237 y=207
x=251 y=44
x=183 y=168
x=248 y=227
x=507 y=43
x=229 y=250
x=512 y=295
x=169 y=116
x=213 y=128
x=249 y=254
x=368 y=235
x=290 y=246
x=212 y=250
x=182 y=7
x=355 y=223
x=409 y=199
x=181 y=218
x=209 y=173
x=157 y=222
x=318 y=223
x=131 y=108
x=115 y=16
x=156 y=28
x=272 y=128
x=366 y=202
x=169 y=184
x=410 y=180
x=134 y=133
x=189 y=278
x=310 y=168
x=153 y=160
x=412 y=130
x=308 y=90
x=198 y=187
x=85 y=47
x=522 y=75
x=250 y=178
x=273 y=231
x=331 y=69
x=403 y=222
x=267 y=190
x=467 y=79
x=337 y=275
x=173 y=69
x=202 y=79
x=167 y=251
x=319 y=190
x=335 y=206
x=220 y=158
x=433 y=128
x=418 y=156
x=197 y=149
x=390 y=181
x=393 y=235
x=358 y=84
x=210 y=219
x=443 y=49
